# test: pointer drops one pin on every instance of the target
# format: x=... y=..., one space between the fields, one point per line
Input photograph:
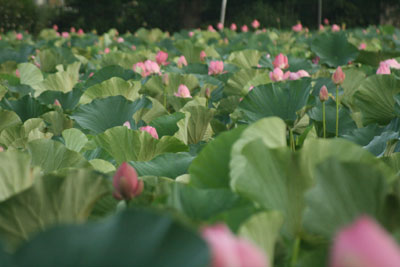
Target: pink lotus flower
x=383 y=69
x=220 y=26
x=255 y=24
x=55 y=27
x=202 y=55
x=326 y=21
x=233 y=27
x=215 y=67
x=281 y=61
x=133 y=47
x=183 y=92
x=191 y=34
x=362 y=46
x=81 y=32
x=161 y=58
x=72 y=30
x=245 y=28
x=140 y=68
x=127 y=124
x=210 y=28
x=299 y=74
x=126 y=183
x=65 y=34
x=227 y=250
x=338 y=76
x=19 y=36
x=57 y=103
x=182 y=61
x=392 y=63
x=321 y=27
x=151 y=130
x=298 y=27
x=1 y=149
x=120 y=40
x=151 y=67
x=107 y=50
x=17 y=73
x=276 y=75
x=335 y=28
x=366 y=244
x=91 y=74
x=323 y=94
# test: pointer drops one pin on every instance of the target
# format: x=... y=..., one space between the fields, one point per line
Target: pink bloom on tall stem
x=202 y=55
x=126 y=183
x=227 y=250
x=152 y=67
x=107 y=50
x=191 y=34
x=366 y=244
x=120 y=40
x=57 y=103
x=151 y=130
x=298 y=27
x=17 y=73
x=81 y=32
x=326 y=21
x=338 y=76
x=383 y=69
x=323 y=94
x=335 y=28
x=220 y=26
x=127 y=124
x=19 y=36
x=182 y=61
x=91 y=74
x=215 y=67
x=321 y=27
x=72 y=30
x=245 y=28
x=65 y=34
x=161 y=58
x=210 y=28
x=362 y=46
x=255 y=24
x=281 y=61
x=55 y=27
x=233 y=27
x=183 y=92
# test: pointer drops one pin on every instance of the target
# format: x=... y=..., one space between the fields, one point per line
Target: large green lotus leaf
x=273 y=179
x=334 y=49
x=8 y=118
x=350 y=85
x=68 y=101
x=123 y=59
x=16 y=174
x=74 y=139
x=198 y=203
x=161 y=165
x=282 y=99
x=195 y=127
x=50 y=58
x=147 y=114
x=245 y=58
x=29 y=74
x=373 y=58
x=102 y=165
x=3 y=91
x=26 y=107
x=263 y=230
x=53 y=156
x=57 y=122
x=7 y=53
x=166 y=125
x=109 y=72
x=344 y=191
x=105 y=113
x=51 y=200
x=132 y=238
x=112 y=87
x=374 y=98
x=189 y=50
x=240 y=82
x=63 y=80
x=124 y=144
x=210 y=169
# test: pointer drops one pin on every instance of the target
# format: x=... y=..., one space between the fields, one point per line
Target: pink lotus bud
x=91 y=74
x=65 y=34
x=107 y=50
x=210 y=28
x=191 y=34
x=362 y=46
x=298 y=27
x=286 y=75
x=182 y=61
x=228 y=250
x=72 y=30
x=255 y=24
x=127 y=124
x=151 y=130
x=55 y=27
x=326 y=21
x=245 y=28
x=276 y=75
x=335 y=28
x=120 y=40
x=17 y=73
x=161 y=58
x=321 y=27
x=151 y=67
x=220 y=26
x=19 y=36
x=233 y=27
x=316 y=60
x=299 y=74
x=251 y=88
x=57 y=103
x=215 y=67
x=208 y=93
x=323 y=94
x=338 y=76
x=141 y=69
x=202 y=55
x=133 y=47
x=268 y=56
x=392 y=63
x=1 y=149
x=183 y=92
x=126 y=183
x=281 y=61
x=81 y=32
x=165 y=79
x=383 y=69
x=364 y=243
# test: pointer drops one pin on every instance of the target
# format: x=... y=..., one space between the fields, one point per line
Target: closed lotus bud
x=326 y=21
x=298 y=27
x=81 y=32
x=208 y=93
x=202 y=55
x=245 y=28
x=152 y=67
x=126 y=183
x=233 y=27
x=215 y=67
x=323 y=94
x=72 y=30
x=191 y=34
x=210 y=28
x=1 y=149
x=65 y=34
x=335 y=28
x=281 y=61
x=161 y=58
x=182 y=61
x=183 y=92
x=107 y=50
x=220 y=26
x=120 y=40
x=19 y=36
x=151 y=130
x=55 y=27
x=276 y=75
x=57 y=103
x=338 y=76
x=17 y=73
x=362 y=46
x=255 y=24
x=127 y=124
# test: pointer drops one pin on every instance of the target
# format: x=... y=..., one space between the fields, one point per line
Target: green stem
x=165 y=97
x=295 y=253
x=337 y=110
x=324 y=118
x=292 y=143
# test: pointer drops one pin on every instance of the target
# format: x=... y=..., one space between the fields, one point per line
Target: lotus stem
x=324 y=118
x=337 y=110
x=292 y=143
x=295 y=253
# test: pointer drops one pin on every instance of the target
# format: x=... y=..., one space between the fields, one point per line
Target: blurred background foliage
x=173 y=15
